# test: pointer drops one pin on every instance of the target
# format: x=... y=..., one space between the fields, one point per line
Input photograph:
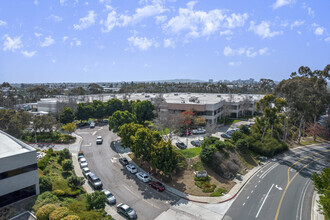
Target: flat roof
x=11 y=146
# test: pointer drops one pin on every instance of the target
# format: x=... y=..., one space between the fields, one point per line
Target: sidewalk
x=74 y=149
x=315 y=213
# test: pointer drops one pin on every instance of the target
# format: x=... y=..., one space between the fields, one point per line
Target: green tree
x=120 y=118
x=237 y=135
x=98 y=109
x=45 y=184
x=245 y=129
x=164 y=158
x=44 y=123
x=67 y=116
x=67 y=165
x=126 y=132
x=76 y=182
x=96 y=200
x=84 y=112
x=95 y=88
x=44 y=211
x=69 y=127
x=242 y=144
x=78 y=91
x=59 y=213
x=112 y=106
x=322 y=185
x=207 y=153
x=143 y=144
x=144 y=111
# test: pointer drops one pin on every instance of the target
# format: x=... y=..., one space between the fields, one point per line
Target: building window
x=18 y=171
x=234 y=107
x=17 y=195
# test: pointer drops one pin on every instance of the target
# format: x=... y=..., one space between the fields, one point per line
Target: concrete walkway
x=315 y=213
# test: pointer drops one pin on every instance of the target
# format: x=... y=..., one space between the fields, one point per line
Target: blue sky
x=126 y=40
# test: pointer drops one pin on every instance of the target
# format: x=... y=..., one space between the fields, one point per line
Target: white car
x=85 y=171
x=99 y=140
x=131 y=168
x=110 y=197
x=143 y=176
x=198 y=131
x=83 y=163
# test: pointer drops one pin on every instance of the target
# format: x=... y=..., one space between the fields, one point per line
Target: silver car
x=110 y=197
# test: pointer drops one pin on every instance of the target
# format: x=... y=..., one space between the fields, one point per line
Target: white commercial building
x=18 y=170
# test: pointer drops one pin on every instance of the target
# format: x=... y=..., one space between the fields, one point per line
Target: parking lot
x=103 y=160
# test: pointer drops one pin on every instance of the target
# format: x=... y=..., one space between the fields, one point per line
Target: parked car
x=85 y=171
x=143 y=176
x=230 y=132
x=110 y=197
x=127 y=211
x=181 y=145
x=123 y=161
x=94 y=181
x=82 y=124
x=80 y=155
x=131 y=168
x=99 y=140
x=200 y=174
x=83 y=163
x=92 y=125
x=157 y=185
x=196 y=143
x=225 y=135
x=262 y=158
x=198 y=131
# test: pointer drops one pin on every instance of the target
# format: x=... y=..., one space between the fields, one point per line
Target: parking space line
x=142 y=199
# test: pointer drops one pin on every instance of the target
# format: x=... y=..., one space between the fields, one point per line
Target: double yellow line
x=290 y=181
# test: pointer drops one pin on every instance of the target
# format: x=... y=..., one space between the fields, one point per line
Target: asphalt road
x=103 y=161
x=282 y=190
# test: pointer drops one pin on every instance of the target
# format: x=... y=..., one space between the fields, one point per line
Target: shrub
x=242 y=144
x=203 y=179
x=207 y=187
x=78 y=206
x=218 y=193
x=59 y=213
x=76 y=182
x=237 y=135
x=220 y=145
x=45 y=198
x=245 y=129
x=44 y=211
x=229 y=145
x=45 y=184
x=96 y=200
x=67 y=165
x=58 y=192
x=71 y=217
x=207 y=153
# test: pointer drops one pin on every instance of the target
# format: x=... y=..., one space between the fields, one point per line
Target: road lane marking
x=290 y=181
x=142 y=199
x=94 y=133
x=248 y=197
x=268 y=170
x=301 y=198
x=255 y=186
x=263 y=202
x=244 y=204
x=87 y=145
x=251 y=191
x=278 y=187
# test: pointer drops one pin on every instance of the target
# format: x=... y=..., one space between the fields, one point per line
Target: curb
x=226 y=200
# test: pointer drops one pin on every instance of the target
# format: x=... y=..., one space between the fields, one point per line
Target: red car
x=157 y=185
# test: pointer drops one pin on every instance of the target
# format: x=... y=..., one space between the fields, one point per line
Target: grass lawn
x=191 y=152
x=236 y=120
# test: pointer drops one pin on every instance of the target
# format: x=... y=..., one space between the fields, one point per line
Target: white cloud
x=199 y=23
x=55 y=18
x=28 y=54
x=142 y=43
x=327 y=39
x=263 y=51
x=297 y=23
x=12 y=44
x=85 y=69
x=62 y=2
x=47 y=41
x=86 y=22
x=226 y=33
x=160 y=19
x=36 y=2
x=309 y=10
x=64 y=38
x=237 y=63
x=280 y=3
x=263 y=30
x=169 y=42
x=75 y=42
x=121 y=20
x=37 y=35
x=53 y=60
x=2 y=23
x=319 y=31
x=249 y=52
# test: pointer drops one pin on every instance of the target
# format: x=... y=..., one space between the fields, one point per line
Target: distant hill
x=179 y=81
